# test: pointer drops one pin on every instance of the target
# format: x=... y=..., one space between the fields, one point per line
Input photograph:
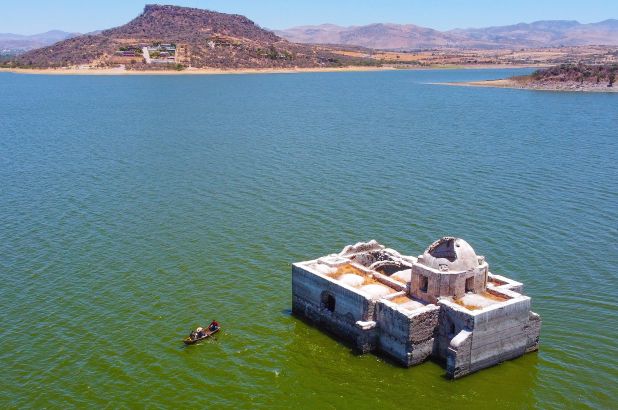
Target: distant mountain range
x=18 y=42
x=198 y=38
x=551 y=33
x=203 y=38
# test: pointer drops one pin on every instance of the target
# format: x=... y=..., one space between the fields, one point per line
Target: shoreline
x=218 y=71
x=188 y=71
x=517 y=85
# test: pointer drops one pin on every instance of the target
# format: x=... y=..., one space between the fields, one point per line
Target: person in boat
x=214 y=325
x=200 y=332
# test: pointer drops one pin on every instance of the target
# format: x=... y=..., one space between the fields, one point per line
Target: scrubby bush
x=580 y=73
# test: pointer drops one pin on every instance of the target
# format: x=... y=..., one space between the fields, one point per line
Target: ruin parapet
x=444 y=304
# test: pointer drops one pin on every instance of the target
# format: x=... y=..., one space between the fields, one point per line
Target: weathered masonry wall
x=429 y=284
x=499 y=334
x=406 y=336
x=453 y=319
x=313 y=297
x=348 y=302
x=487 y=337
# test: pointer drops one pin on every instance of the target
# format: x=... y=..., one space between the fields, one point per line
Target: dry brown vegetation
x=482 y=57
x=210 y=39
x=582 y=73
x=572 y=77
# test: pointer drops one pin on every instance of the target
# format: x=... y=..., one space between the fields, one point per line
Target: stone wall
x=385 y=280
x=348 y=301
x=406 y=336
x=499 y=333
x=446 y=284
x=486 y=337
x=424 y=329
x=458 y=355
x=308 y=301
x=533 y=332
x=453 y=319
x=503 y=283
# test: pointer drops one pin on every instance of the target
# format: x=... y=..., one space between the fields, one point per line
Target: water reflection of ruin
x=444 y=304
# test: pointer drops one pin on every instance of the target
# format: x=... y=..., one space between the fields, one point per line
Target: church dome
x=450 y=254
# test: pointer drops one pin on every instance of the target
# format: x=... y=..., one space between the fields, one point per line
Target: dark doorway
x=451 y=330
x=328 y=301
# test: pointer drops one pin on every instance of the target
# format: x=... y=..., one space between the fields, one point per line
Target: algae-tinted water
x=135 y=208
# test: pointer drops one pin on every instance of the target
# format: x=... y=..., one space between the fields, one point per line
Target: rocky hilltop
x=179 y=37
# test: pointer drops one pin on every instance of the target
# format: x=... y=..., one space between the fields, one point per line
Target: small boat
x=207 y=334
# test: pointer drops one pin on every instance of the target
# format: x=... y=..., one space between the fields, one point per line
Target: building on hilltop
x=444 y=304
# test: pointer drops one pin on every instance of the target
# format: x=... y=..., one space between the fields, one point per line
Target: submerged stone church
x=444 y=304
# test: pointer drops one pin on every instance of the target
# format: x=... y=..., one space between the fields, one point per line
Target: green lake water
x=133 y=209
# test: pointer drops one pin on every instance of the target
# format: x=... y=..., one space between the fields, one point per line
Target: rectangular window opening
x=470 y=284
x=424 y=284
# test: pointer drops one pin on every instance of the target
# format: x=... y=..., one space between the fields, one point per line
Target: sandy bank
x=520 y=85
x=215 y=71
x=189 y=71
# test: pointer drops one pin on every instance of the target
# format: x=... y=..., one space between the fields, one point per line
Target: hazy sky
x=34 y=16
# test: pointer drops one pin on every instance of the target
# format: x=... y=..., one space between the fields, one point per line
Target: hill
x=18 y=43
x=377 y=36
x=181 y=36
x=410 y=37
x=544 y=34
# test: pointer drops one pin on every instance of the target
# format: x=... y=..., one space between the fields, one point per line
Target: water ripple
x=128 y=221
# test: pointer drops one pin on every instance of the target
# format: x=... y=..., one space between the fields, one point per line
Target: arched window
x=328 y=301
